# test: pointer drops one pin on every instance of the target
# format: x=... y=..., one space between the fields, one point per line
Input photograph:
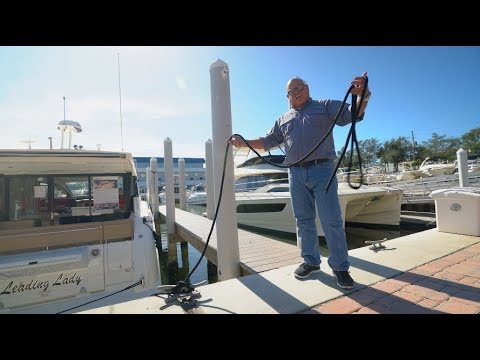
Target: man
x=300 y=129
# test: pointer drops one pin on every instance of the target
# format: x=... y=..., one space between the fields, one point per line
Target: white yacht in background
x=436 y=166
x=74 y=233
x=263 y=201
x=176 y=194
x=198 y=195
x=408 y=172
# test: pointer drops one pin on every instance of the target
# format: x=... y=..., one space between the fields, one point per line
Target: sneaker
x=344 y=280
x=305 y=270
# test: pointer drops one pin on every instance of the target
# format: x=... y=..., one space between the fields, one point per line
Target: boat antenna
x=29 y=142
x=64 y=118
x=120 y=97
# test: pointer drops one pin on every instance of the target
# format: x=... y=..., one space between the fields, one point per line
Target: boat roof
x=276 y=159
x=64 y=161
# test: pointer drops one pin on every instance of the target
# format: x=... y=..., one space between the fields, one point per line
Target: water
x=176 y=263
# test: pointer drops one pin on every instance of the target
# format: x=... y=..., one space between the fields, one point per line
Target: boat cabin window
x=65 y=199
x=3 y=207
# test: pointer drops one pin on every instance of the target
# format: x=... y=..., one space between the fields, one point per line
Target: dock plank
x=257 y=253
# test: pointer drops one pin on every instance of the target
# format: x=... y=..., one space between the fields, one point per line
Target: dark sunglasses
x=296 y=89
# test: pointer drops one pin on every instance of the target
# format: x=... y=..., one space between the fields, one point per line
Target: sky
x=133 y=98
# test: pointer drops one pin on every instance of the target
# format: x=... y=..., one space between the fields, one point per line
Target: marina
x=103 y=232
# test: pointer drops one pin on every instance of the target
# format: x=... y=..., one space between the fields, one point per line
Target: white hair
x=299 y=79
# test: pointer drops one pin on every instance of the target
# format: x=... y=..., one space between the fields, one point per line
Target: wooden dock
x=257 y=253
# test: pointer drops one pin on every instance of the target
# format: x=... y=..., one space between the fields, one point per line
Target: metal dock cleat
x=376 y=244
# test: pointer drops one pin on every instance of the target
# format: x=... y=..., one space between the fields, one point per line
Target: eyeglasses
x=296 y=89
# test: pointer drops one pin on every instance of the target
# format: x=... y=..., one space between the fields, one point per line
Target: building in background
x=194 y=171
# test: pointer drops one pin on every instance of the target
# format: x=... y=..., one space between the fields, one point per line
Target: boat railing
x=421 y=188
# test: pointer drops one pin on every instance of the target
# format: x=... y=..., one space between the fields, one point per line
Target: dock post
x=228 y=253
x=154 y=187
x=462 y=164
x=169 y=194
x=181 y=184
x=209 y=177
x=148 y=186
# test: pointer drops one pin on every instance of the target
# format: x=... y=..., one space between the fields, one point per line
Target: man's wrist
x=367 y=96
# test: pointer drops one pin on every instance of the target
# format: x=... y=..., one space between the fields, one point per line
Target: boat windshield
x=61 y=199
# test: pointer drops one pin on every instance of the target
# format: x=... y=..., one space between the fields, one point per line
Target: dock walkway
x=429 y=271
x=450 y=284
x=257 y=253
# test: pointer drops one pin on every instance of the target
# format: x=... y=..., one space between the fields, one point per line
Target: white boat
x=176 y=193
x=436 y=166
x=65 y=250
x=407 y=171
x=263 y=202
x=198 y=195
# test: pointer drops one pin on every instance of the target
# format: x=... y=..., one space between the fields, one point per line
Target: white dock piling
x=148 y=186
x=169 y=193
x=462 y=164
x=181 y=184
x=209 y=177
x=154 y=187
x=227 y=231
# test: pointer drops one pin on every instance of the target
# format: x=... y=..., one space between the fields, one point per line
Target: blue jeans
x=307 y=187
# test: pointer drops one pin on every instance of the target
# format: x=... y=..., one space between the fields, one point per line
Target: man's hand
x=237 y=142
x=359 y=82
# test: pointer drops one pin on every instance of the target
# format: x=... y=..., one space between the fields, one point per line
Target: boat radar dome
x=69 y=125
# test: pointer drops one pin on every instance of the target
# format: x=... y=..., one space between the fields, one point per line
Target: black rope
x=352 y=134
x=155 y=236
x=215 y=216
x=184 y=287
x=116 y=292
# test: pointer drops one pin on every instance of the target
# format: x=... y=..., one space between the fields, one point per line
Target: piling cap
x=218 y=63
x=456 y=193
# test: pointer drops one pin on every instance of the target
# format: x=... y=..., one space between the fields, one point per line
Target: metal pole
x=227 y=231
x=64 y=127
x=120 y=98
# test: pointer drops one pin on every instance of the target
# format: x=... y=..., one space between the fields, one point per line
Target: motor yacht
x=263 y=201
x=74 y=233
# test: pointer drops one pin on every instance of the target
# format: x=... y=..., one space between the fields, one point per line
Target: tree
x=369 y=149
x=471 y=141
x=395 y=151
x=441 y=146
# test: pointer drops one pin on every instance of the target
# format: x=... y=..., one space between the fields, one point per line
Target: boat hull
x=378 y=208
